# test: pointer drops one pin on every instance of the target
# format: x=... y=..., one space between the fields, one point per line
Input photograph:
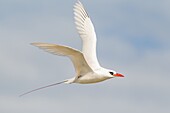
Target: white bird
x=87 y=67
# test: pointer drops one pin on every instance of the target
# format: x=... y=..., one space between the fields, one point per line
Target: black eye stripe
x=111 y=73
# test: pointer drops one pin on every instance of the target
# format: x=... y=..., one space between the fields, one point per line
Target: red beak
x=118 y=75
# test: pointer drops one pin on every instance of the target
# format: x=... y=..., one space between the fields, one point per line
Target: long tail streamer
x=42 y=88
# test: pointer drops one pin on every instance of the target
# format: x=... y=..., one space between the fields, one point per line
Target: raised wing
x=76 y=56
x=87 y=33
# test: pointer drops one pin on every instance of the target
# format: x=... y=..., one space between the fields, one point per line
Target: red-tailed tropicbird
x=88 y=69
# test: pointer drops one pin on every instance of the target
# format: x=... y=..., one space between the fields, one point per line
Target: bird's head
x=115 y=74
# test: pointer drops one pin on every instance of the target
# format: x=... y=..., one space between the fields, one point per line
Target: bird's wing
x=87 y=33
x=76 y=56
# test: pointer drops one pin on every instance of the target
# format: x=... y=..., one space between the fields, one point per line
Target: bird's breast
x=91 y=78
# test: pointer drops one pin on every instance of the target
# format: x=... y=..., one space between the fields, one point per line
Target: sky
x=133 y=39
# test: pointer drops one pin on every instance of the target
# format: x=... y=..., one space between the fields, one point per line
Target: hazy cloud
x=133 y=38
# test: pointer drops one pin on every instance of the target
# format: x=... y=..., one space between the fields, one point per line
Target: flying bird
x=87 y=67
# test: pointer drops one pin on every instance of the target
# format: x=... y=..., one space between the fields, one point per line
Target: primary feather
x=87 y=33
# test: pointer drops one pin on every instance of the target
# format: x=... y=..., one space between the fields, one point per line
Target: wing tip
x=39 y=44
x=79 y=7
x=36 y=43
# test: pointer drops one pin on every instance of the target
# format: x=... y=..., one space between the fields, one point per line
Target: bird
x=87 y=67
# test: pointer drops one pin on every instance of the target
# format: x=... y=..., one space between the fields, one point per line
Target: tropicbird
x=87 y=67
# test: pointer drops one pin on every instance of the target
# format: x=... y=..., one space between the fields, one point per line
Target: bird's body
x=88 y=69
x=92 y=77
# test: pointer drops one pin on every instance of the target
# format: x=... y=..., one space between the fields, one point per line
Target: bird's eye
x=111 y=73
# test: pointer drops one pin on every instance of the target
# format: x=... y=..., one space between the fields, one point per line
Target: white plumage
x=88 y=69
x=87 y=33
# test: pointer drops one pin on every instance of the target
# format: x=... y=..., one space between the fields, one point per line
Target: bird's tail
x=65 y=81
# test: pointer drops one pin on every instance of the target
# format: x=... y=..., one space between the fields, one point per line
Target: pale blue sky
x=133 y=39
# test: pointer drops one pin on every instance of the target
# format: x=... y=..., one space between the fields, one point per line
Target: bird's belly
x=88 y=79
